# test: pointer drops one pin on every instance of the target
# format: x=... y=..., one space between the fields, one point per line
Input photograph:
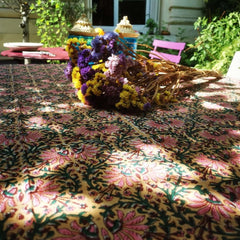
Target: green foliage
x=55 y=18
x=145 y=42
x=217 y=42
x=152 y=26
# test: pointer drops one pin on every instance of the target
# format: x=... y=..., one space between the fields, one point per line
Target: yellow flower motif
x=124 y=94
x=134 y=102
x=157 y=99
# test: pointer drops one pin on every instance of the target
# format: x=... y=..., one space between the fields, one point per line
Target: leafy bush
x=152 y=26
x=145 y=42
x=55 y=18
x=217 y=42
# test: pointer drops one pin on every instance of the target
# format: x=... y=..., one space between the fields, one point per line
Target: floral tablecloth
x=68 y=171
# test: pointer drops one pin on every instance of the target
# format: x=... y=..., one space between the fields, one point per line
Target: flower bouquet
x=110 y=74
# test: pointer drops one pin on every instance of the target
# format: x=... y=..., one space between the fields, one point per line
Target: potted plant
x=164 y=30
x=152 y=26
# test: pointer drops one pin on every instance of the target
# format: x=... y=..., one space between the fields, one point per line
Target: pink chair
x=179 y=46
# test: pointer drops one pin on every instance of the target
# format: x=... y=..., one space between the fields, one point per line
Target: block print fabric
x=68 y=171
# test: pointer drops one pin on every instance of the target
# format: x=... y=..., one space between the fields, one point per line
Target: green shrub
x=55 y=18
x=217 y=42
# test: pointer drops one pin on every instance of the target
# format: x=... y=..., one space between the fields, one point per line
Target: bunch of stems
x=162 y=76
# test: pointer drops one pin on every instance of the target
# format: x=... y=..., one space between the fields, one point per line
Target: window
x=104 y=13
x=134 y=9
x=110 y=12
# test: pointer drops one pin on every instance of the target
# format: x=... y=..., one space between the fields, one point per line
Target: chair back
x=161 y=44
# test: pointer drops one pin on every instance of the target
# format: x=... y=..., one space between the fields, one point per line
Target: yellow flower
x=140 y=105
x=88 y=92
x=157 y=99
x=100 y=66
x=96 y=91
x=99 y=76
x=167 y=93
x=134 y=103
x=122 y=104
x=80 y=96
x=75 y=45
x=76 y=74
x=139 y=74
x=99 y=31
x=124 y=94
x=95 y=84
x=127 y=87
x=77 y=83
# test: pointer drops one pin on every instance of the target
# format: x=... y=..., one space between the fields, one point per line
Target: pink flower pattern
x=211 y=163
x=132 y=226
x=7 y=139
x=211 y=205
x=87 y=131
x=122 y=177
x=148 y=148
x=41 y=192
x=7 y=199
x=71 y=171
x=55 y=157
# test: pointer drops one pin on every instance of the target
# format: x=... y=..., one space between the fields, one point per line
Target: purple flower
x=96 y=56
x=84 y=58
x=138 y=89
x=116 y=64
x=85 y=52
x=123 y=80
x=110 y=35
x=111 y=93
x=68 y=70
x=147 y=106
x=96 y=43
x=84 y=88
x=87 y=73
x=114 y=47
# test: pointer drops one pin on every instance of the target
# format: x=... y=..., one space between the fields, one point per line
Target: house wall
x=178 y=16
x=10 y=31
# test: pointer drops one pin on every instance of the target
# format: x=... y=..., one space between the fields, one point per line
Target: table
x=59 y=52
x=69 y=171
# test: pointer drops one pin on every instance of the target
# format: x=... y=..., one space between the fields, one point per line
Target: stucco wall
x=179 y=16
x=10 y=31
